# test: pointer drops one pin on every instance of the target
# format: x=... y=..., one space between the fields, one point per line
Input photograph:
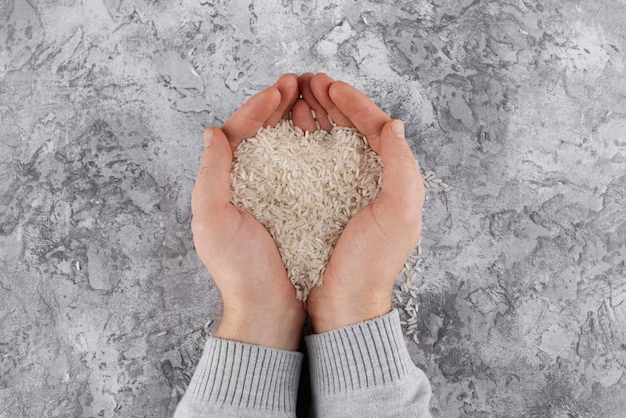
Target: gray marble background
x=520 y=105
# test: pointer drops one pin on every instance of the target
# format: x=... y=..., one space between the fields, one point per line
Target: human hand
x=260 y=305
x=372 y=249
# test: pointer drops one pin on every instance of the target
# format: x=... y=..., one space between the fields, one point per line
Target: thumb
x=401 y=177
x=212 y=188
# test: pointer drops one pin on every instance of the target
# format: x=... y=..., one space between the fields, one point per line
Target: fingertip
x=208 y=136
x=302 y=116
x=324 y=75
x=251 y=116
x=320 y=87
x=309 y=97
x=393 y=143
x=215 y=138
x=273 y=94
x=392 y=130
x=337 y=89
x=287 y=86
x=287 y=82
x=304 y=83
x=397 y=128
x=293 y=76
x=319 y=83
x=293 y=90
x=268 y=101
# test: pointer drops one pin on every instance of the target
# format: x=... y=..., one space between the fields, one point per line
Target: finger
x=251 y=116
x=363 y=113
x=287 y=84
x=302 y=117
x=212 y=188
x=304 y=83
x=320 y=84
x=401 y=176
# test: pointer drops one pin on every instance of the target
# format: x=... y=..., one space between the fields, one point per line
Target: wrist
x=339 y=313
x=279 y=329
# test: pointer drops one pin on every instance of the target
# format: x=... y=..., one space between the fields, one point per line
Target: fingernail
x=397 y=127
x=208 y=137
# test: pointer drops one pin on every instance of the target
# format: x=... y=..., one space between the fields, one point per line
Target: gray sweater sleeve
x=234 y=379
x=364 y=370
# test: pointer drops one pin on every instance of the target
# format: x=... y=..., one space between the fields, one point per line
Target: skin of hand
x=358 y=282
x=260 y=305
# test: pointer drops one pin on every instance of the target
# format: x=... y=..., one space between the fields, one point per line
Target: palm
x=244 y=248
x=362 y=239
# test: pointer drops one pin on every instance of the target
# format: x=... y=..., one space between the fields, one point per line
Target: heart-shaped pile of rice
x=304 y=188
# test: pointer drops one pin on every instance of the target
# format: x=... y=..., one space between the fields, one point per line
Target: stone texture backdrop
x=520 y=105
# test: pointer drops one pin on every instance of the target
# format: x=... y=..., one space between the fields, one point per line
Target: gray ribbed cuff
x=363 y=355
x=238 y=375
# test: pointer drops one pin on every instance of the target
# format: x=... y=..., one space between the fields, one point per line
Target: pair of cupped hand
x=260 y=305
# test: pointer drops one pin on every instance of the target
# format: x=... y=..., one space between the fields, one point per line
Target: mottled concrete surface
x=520 y=105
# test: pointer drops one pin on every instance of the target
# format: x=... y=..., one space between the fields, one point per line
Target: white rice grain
x=304 y=188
